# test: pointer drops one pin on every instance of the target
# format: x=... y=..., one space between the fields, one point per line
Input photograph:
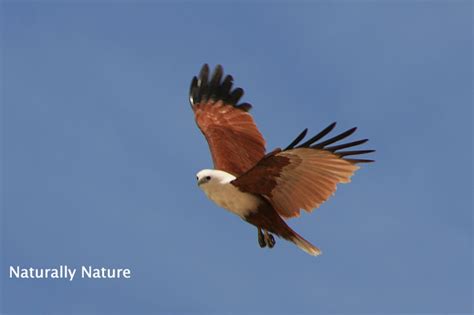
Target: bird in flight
x=265 y=188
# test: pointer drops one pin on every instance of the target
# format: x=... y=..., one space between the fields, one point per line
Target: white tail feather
x=305 y=245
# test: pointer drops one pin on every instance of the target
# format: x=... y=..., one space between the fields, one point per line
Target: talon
x=272 y=240
x=269 y=239
x=261 y=239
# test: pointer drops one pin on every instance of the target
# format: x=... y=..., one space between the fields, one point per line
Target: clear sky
x=100 y=152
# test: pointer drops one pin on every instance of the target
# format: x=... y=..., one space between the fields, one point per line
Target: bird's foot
x=269 y=239
x=261 y=239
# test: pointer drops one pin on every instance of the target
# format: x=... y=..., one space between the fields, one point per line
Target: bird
x=265 y=188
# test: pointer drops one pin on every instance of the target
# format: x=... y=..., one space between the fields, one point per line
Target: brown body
x=266 y=218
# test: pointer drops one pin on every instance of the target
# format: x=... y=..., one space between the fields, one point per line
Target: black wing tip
x=297 y=139
x=357 y=161
x=204 y=89
x=324 y=145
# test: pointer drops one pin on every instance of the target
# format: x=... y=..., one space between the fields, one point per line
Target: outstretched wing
x=234 y=140
x=304 y=176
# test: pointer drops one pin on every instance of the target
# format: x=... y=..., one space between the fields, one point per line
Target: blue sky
x=100 y=151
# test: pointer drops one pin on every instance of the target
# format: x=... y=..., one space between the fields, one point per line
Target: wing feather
x=234 y=140
x=304 y=176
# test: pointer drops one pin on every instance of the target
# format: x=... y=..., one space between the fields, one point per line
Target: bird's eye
x=197 y=177
x=208 y=177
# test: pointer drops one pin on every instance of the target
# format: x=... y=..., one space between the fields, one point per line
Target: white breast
x=231 y=198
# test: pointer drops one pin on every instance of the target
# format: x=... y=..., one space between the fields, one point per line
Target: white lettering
x=105 y=273
x=64 y=272
x=14 y=271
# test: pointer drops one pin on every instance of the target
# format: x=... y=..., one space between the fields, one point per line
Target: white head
x=209 y=178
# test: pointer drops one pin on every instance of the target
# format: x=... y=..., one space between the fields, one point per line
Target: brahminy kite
x=264 y=189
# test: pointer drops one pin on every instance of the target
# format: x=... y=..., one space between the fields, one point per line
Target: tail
x=268 y=219
x=302 y=243
x=287 y=233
